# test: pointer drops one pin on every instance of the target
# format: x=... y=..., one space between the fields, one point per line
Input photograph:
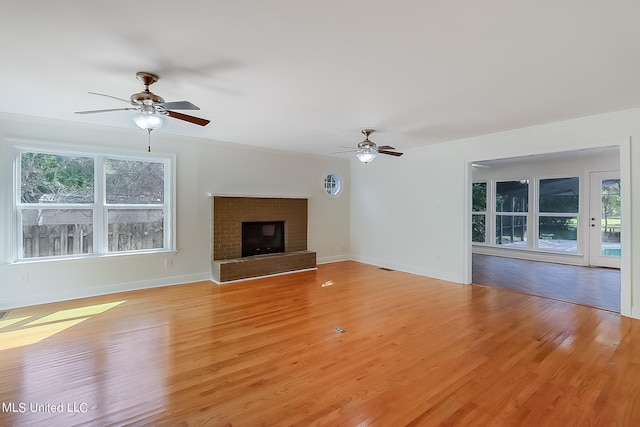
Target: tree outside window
x=611 y=204
x=479 y=209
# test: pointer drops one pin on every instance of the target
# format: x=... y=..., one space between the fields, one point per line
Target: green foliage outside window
x=610 y=201
x=479 y=204
x=56 y=179
x=478 y=228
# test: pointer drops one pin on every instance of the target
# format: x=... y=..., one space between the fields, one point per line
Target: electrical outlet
x=24 y=276
x=168 y=262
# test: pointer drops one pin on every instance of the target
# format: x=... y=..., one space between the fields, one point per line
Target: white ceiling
x=307 y=76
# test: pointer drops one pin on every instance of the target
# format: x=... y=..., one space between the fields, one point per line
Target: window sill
x=92 y=256
x=529 y=254
x=484 y=247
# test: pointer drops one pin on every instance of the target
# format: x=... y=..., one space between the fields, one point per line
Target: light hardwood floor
x=415 y=351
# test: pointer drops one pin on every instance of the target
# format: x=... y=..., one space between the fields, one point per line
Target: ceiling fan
x=152 y=107
x=367 y=150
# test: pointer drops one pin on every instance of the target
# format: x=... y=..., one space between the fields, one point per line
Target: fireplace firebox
x=264 y=237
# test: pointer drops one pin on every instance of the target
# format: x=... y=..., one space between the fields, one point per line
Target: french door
x=605 y=219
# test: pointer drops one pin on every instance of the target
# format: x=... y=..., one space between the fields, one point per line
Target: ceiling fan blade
x=187 y=118
x=342 y=152
x=114 y=97
x=391 y=153
x=104 y=111
x=178 y=105
x=385 y=147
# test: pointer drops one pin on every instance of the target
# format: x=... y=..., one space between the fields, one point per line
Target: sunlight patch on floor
x=22 y=337
x=8 y=322
x=47 y=326
x=89 y=310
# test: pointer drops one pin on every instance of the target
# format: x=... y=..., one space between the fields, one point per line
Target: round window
x=332 y=184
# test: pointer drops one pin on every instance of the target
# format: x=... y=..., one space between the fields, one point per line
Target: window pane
x=511 y=230
x=478 y=228
x=54 y=232
x=134 y=182
x=332 y=184
x=557 y=233
x=48 y=178
x=610 y=226
x=512 y=196
x=559 y=195
x=135 y=229
x=479 y=196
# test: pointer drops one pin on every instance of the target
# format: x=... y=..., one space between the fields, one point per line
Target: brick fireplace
x=229 y=212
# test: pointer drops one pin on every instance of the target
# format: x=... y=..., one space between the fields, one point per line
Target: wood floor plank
x=592 y=286
x=414 y=351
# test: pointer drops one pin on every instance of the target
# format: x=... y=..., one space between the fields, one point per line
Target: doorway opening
x=567 y=208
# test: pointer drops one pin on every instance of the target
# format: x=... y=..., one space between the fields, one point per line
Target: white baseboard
x=530 y=255
x=427 y=272
x=330 y=259
x=11 y=303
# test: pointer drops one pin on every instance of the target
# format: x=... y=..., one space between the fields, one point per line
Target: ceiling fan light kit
x=367 y=154
x=367 y=150
x=151 y=108
x=148 y=121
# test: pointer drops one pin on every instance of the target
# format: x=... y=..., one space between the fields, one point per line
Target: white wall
x=412 y=213
x=404 y=212
x=202 y=167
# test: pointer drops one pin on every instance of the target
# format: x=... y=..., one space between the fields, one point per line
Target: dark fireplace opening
x=264 y=237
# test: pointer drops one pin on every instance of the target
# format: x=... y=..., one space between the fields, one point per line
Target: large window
x=512 y=206
x=502 y=214
x=558 y=214
x=479 y=212
x=79 y=205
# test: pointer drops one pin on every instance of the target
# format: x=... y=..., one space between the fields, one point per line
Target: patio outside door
x=605 y=219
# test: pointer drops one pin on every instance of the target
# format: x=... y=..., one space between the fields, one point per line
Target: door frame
x=624 y=146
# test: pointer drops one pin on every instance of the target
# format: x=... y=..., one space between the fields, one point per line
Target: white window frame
x=99 y=205
x=338 y=181
x=532 y=215
x=537 y=214
x=527 y=215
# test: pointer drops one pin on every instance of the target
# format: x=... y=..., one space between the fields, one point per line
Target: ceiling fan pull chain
x=149 y=146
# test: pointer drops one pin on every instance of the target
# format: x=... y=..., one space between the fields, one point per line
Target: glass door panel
x=610 y=218
x=605 y=219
